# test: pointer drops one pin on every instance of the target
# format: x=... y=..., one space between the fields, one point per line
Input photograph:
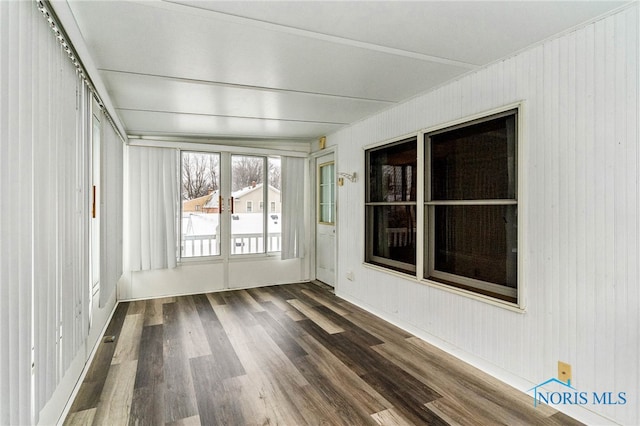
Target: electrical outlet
x=564 y=372
x=350 y=276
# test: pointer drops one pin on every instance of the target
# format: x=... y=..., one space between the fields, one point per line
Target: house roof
x=213 y=201
x=249 y=189
x=203 y=199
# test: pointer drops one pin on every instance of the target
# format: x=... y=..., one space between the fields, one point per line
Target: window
x=200 y=211
x=273 y=207
x=390 y=218
x=469 y=217
x=256 y=180
x=209 y=204
x=471 y=206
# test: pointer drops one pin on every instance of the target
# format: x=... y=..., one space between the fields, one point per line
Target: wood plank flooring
x=283 y=355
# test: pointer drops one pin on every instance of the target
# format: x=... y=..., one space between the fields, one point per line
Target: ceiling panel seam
x=231 y=116
x=245 y=86
x=197 y=137
x=270 y=26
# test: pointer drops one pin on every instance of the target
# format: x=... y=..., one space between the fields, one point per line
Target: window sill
x=513 y=307
x=254 y=256
x=405 y=275
x=234 y=258
x=199 y=260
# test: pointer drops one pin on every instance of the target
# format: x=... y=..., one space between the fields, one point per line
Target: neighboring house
x=251 y=200
x=213 y=204
x=246 y=200
x=205 y=204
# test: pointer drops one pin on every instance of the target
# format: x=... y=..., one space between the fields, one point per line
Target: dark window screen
x=475 y=162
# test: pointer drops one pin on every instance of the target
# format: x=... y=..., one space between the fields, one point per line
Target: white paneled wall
x=579 y=215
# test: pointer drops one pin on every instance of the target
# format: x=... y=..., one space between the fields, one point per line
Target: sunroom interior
x=465 y=171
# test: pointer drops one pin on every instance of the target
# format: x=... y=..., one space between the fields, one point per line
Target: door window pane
x=327 y=193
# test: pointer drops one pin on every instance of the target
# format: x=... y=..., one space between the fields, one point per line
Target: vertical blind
x=44 y=225
x=293 y=181
x=58 y=202
x=153 y=190
x=16 y=220
x=111 y=212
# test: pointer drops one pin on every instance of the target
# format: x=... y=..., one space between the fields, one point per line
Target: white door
x=326 y=219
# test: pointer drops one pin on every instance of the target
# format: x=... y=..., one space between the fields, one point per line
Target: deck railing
x=207 y=245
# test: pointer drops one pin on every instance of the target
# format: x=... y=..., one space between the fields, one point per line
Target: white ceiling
x=296 y=70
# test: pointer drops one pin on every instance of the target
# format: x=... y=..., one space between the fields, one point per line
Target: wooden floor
x=283 y=355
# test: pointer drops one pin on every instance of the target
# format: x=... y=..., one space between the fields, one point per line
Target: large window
x=211 y=204
x=391 y=206
x=470 y=206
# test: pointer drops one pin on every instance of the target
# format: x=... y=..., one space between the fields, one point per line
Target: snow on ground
x=247 y=223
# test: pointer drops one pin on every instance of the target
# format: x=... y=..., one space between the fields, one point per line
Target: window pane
x=478 y=242
x=475 y=162
x=200 y=210
x=393 y=172
x=275 y=202
x=392 y=233
x=247 y=224
x=327 y=193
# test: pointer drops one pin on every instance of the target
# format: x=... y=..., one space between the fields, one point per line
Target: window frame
x=225 y=251
x=332 y=187
x=494 y=290
x=425 y=224
x=370 y=257
x=180 y=257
